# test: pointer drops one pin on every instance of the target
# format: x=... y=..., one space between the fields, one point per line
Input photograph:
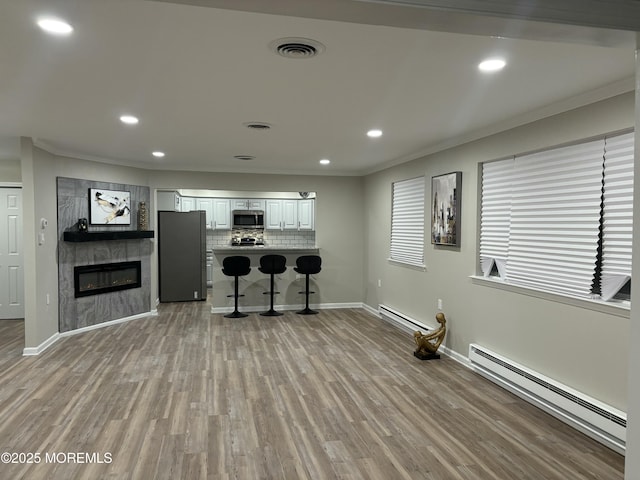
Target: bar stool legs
x=272 y=264
x=308 y=265
x=236 y=266
x=236 y=313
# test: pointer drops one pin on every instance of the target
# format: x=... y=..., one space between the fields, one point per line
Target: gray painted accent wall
x=73 y=203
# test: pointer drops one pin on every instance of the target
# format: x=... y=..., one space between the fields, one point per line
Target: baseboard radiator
x=401 y=320
x=601 y=422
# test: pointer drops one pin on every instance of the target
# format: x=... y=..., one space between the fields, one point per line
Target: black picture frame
x=446 y=200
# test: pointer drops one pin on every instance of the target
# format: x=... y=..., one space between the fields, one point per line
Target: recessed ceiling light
x=129 y=119
x=374 y=133
x=325 y=161
x=492 y=65
x=55 y=26
x=158 y=154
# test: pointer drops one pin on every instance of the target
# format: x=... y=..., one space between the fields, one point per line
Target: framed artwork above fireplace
x=109 y=207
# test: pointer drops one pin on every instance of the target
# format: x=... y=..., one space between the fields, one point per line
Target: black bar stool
x=308 y=265
x=272 y=265
x=236 y=266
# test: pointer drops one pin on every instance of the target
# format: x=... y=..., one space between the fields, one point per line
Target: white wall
x=582 y=348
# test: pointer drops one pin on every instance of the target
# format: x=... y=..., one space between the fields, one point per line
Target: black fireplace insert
x=106 y=277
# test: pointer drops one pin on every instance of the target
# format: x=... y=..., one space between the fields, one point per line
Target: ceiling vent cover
x=257 y=126
x=293 y=47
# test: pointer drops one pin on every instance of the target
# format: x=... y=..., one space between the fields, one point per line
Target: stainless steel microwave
x=248 y=219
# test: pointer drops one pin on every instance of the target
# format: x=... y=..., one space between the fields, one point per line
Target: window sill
x=422 y=268
x=619 y=308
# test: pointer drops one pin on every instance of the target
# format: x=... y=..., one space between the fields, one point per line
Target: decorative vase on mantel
x=143 y=217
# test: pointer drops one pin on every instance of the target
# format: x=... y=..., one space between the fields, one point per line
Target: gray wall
x=73 y=203
x=39 y=172
x=353 y=221
x=556 y=339
x=10 y=171
x=339 y=233
x=339 y=224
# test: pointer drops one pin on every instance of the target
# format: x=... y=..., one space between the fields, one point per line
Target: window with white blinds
x=407 y=222
x=617 y=230
x=495 y=216
x=555 y=219
x=561 y=220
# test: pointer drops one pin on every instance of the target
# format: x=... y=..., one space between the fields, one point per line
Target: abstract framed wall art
x=109 y=207
x=445 y=209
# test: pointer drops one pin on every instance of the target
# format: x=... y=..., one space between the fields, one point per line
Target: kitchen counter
x=261 y=249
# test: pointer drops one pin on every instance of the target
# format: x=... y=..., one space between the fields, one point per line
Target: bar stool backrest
x=308 y=264
x=236 y=266
x=273 y=264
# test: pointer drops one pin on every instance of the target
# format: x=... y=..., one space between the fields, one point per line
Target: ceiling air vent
x=257 y=125
x=296 y=47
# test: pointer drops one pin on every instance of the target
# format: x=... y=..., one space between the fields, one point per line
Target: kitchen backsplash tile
x=222 y=238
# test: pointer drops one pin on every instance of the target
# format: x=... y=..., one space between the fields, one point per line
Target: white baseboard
x=282 y=308
x=371 y=310
x=109 y=323
x=409 y=328
x=31 y=351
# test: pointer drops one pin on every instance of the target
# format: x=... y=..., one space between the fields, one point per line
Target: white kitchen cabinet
x=256 y=204
x=188 y=204
x=247 y=204
x=273 y=215
x=239 y=204
x=206 y=204
x=221 y=214
x=168 y=201
x=306 y=214
x=289 y=214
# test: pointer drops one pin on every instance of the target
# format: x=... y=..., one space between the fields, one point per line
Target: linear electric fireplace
x=106 y=277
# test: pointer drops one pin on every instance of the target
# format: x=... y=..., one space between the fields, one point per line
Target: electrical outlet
x=439 y=304
x=195 y=294
x=48 y=299
x=379 y=283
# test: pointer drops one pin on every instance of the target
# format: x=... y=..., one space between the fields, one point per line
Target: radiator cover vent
x=602 y=422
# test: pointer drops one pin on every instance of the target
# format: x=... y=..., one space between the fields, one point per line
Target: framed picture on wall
x=109 y=207
x=445 y=209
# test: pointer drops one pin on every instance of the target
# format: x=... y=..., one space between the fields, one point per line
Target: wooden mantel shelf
x=100 y=236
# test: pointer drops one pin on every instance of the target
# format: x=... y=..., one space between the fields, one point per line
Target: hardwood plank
x=191 y=395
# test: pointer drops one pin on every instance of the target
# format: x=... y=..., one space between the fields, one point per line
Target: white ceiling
x=195 y=74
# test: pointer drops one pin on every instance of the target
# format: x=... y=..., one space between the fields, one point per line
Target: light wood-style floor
x=191 y=395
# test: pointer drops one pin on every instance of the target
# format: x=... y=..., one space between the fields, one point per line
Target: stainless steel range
x=247 y=237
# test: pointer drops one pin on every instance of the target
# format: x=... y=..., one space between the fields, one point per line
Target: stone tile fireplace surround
x=75 y=313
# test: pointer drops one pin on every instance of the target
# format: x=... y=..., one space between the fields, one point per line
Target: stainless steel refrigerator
x=182 y=239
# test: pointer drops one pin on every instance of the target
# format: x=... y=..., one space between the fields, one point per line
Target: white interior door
x=11 y=254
